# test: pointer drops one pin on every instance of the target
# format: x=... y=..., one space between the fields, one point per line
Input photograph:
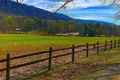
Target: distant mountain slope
x=80 y=21
x=12 y=8
x=101 y=7
x=99 y=13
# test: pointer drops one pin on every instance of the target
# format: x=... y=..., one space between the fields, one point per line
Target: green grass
x=18 y=43
x=27 y=42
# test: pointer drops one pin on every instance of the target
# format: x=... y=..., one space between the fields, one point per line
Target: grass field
x=21 y=43
x=81 y=70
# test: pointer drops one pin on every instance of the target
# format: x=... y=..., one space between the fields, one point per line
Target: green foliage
x=28 y=24
x=33 y=24
x=9 y=24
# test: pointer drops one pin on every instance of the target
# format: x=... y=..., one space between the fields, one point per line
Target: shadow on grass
x=85 y=71
x=39 y=72
x=89 y=69
x=35 y=73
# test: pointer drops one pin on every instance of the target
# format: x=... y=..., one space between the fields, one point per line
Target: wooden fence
x=87 y=47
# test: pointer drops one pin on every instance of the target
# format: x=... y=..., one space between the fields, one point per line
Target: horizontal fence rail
x=86 y=48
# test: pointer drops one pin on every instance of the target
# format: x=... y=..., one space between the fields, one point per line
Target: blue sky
x=80 y=9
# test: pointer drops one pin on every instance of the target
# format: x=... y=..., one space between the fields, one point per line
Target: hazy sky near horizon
x=79 y=9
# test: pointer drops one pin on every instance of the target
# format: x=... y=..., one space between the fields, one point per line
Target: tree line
x=19 y=24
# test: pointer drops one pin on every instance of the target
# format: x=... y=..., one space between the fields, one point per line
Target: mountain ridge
x=12 y=8
x=24 y=18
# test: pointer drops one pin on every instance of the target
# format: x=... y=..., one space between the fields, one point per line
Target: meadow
x=81 y=70
x=22 y=43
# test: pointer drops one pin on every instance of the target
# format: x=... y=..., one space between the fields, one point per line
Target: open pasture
x=14 y=43
x=22 y=43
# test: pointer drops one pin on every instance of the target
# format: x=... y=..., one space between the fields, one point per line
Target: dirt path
x=110 y=73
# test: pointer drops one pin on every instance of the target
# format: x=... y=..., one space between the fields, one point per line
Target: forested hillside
x=19 y=24
x=22 y=18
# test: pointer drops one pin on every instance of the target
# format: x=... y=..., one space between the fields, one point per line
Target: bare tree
x=117 y=3
x=19 y=1
x=62 y=6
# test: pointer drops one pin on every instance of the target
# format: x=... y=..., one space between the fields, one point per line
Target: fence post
x=50 y=58
x=94 y=46
x=115 y=43
x=118 y=44
x=73 y=53
x=87 y=49
x=111 y=42
x=8 y=66
x=97 y=47
x=105 y=45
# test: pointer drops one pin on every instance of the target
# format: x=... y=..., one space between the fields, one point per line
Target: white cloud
x=83 y=3
x=54 y=4
x=44 y=4
x=74 y=8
